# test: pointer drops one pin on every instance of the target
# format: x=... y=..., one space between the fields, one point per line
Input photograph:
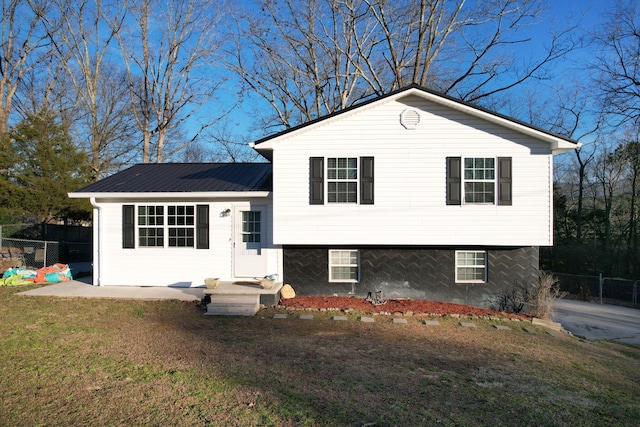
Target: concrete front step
x=233 y=305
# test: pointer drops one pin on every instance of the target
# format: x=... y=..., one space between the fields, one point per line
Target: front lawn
x=106 y=362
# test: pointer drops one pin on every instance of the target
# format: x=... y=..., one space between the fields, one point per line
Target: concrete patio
x=228 y=298
x=82 y=288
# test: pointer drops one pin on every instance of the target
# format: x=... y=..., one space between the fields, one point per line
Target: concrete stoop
x=233 y=305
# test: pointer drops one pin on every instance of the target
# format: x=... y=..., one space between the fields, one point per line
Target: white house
x=413 y=193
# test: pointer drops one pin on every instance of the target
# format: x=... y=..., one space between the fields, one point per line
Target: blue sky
x=589 y=14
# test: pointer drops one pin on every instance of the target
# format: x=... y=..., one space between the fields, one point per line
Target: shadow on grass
x=79 y=361
x=325 y=372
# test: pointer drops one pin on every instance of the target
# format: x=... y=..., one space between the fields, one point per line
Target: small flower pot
x=211 y=283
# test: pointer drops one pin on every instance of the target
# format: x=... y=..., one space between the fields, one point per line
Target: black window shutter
x=316 y=180
x=202 y=227
x=128 y=227
x=504 y=181
x=454 y=182
x=366 y=180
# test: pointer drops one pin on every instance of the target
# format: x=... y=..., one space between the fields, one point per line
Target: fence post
x=46 y=254
x=601 y=287
x=634 y=298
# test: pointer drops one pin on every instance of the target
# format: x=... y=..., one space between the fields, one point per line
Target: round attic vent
x=410 y=118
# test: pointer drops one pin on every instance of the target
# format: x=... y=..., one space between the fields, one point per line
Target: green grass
x=105 y=362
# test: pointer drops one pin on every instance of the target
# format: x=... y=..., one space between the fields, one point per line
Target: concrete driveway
x=599 y=321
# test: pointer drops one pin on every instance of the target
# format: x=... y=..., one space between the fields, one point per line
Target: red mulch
x=392 y=306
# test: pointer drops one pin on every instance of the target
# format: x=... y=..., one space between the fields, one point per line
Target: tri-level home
x=415 y=194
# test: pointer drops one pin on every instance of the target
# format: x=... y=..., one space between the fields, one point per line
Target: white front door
x=250 y=239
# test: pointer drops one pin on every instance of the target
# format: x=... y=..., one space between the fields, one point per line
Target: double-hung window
x=181 y=222
x=173 y=226
x=342 y=180
x=344 y=265
x=150 y=226
x=471 y=266
x=478 y=180
x=347 y=180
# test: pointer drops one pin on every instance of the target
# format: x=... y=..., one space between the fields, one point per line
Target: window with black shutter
x=316 y=180
x=346 y=179
x=454 y=182
x=504 y=181
x=366 y=180
x=128 y=227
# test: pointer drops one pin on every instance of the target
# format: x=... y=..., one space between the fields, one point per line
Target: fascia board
x=175 y=195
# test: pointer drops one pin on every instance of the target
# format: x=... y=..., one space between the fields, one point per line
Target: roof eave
x=174 y=195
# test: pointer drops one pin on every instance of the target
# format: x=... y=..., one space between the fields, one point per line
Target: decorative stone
x=306 y=316
x=502 y=327
x=280 y=316
x=339 y=318
x=399 y=320
x=468 y=324
x=431 y=322
x=367 y=319
x=287 y=292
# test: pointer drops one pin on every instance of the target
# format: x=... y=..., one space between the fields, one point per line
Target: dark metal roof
x=404 y=89
x=185 y=177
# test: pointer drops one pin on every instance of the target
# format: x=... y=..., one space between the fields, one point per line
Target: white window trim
x=337 y=180
x=464 y=181
x=330 y=265
x=486 y=261
x=165 y=226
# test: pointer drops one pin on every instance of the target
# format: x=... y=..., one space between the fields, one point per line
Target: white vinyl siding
x=410 y=181
x=175 y=266
x=471 y=266
x=344 y=265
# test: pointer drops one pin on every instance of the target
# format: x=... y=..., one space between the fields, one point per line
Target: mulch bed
x=404 y=306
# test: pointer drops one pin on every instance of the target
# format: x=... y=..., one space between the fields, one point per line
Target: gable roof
x=182 y=178
x=558 y=143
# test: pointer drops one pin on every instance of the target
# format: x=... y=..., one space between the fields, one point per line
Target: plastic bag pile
x=52 y=274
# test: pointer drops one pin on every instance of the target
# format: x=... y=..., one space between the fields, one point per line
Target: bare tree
x=574 y=117
x=618 y=63
x=313 y=58
x=82 y=32
x=23 y=46
x=168 y=48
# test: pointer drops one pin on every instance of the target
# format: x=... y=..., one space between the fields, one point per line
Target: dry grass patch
x=99 y=362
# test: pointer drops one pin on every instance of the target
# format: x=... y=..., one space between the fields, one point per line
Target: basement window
x=471 y=267
x=344 y=265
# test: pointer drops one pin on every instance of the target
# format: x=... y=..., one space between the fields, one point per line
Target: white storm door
x=250 y=236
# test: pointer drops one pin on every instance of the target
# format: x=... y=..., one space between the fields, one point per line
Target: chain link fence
x=28 y=253
x=600 y=287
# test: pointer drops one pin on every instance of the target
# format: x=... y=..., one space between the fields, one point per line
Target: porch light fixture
x=225 y=213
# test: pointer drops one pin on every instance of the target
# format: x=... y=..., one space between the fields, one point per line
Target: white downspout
x=97 y=220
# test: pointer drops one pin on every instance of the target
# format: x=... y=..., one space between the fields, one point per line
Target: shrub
x=536 y=298
x=544 y=294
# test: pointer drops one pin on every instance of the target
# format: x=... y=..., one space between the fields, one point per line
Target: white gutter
x=97 y=220
x=175 y=195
